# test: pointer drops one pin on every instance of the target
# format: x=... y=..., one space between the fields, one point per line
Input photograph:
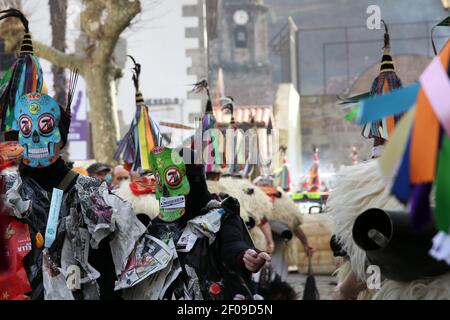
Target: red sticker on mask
x=173 y=177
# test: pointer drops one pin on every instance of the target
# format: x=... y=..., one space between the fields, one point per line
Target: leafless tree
x=101 y=24
x=58 y=21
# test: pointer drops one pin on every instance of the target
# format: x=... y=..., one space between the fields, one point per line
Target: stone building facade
x=323 y=126
x=323 y=123
x=241 y=50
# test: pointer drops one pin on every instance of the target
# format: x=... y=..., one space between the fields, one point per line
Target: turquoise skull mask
x=36 y=118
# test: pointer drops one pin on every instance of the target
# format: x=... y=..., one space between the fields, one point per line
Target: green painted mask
x=172 y=184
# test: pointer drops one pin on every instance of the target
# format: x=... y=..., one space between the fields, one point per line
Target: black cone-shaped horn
x=395 y=247
x=280 y=231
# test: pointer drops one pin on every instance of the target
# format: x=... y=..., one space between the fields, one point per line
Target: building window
x=240 y=36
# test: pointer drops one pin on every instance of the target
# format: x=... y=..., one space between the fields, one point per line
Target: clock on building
x=241 y=17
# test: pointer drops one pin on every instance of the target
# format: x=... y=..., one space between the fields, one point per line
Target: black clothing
x=219 y=263
x=48 y=178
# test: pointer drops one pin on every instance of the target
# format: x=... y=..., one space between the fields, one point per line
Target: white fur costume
x=286 y=211
x=357 y=189
x=258 y=204
x=145 y=204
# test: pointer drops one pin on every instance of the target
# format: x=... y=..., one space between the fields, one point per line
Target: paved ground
x=325 y=284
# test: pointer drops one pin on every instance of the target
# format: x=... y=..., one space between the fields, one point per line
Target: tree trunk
x=58 y=21
x=102 y=22
x=98 y=82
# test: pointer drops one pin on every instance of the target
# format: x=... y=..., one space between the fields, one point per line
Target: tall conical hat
x=385 y=82
x=144 y=134
x=24 y=76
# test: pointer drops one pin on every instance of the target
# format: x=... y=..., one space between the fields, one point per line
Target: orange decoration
x=39 y=240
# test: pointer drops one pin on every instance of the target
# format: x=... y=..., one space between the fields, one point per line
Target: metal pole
x=206 y=45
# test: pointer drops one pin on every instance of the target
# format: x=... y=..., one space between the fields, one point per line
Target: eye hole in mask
x=46 y=123
x=249 y=191
x=26 y=125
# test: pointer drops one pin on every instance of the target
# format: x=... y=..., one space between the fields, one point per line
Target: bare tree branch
x=57 y=57
x=120 y=13
x=6 y=4
x=90 y=18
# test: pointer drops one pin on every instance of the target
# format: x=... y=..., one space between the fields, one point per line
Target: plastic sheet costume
x=77 y=230
x=200 y=251
x=91 y=222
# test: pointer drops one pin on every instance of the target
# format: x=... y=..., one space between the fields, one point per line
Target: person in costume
x=89 y=214
x=314 y=178
x=407 y=268
x=286 y=221
x=344 y=208
x=212 y=254
x=72 y=222
x=12 y=275
x=254 y=205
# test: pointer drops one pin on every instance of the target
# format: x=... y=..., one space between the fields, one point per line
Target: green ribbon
x=351 y=116
x=442 y=213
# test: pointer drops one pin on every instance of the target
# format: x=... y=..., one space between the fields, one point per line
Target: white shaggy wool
x=357 y=188
x=258 y=238
x=257 y=204
x=235 y=188
x=143 y=204
x=216 y=187
x=437 y=288
x=286 y=211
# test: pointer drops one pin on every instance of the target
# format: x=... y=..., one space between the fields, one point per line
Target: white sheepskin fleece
x=437 y=288
x=216 y=186
x=286 y=211
x=235 y=188
x=145 y=204
x=258 y=238
x=257 y=204
x=357 y=189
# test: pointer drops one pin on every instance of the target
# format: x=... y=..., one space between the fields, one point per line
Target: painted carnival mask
x=172 y=184
x=36 y=118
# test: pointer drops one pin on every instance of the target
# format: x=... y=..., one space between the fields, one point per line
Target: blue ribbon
x=394 y=103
